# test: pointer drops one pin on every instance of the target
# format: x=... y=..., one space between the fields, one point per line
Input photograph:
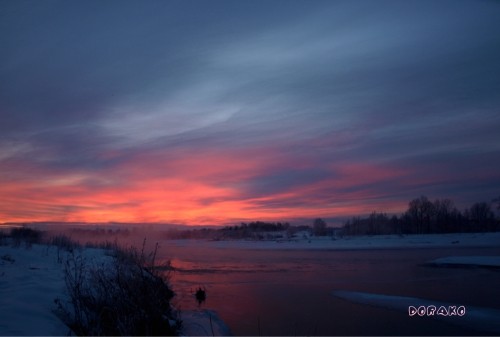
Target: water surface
x=288 y=292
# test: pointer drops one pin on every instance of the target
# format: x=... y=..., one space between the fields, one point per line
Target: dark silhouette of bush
x=129 y=296
x=63 y=244
x=3 y=238
x=27 y=235
x=200 y=295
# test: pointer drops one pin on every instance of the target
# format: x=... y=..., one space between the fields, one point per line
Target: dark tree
x=319 y=227
x=420 y=212
x=423 y=216
x=481 y=217
x=443 y=216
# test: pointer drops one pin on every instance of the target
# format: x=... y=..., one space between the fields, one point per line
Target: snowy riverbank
x=455 y=240
x=32 y=278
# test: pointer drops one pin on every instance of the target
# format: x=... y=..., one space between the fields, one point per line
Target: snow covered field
x=31 y=279
x=362 y=242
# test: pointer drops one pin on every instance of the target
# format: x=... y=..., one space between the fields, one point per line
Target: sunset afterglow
x=223 y=112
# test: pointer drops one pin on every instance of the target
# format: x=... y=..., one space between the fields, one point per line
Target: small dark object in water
x=200 y=295
x=455 y=242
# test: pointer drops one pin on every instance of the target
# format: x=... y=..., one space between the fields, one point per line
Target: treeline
x=424 y=216
x=260 y=226
x=256 y=230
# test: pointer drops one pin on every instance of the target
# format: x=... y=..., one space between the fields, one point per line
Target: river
x=289 y=292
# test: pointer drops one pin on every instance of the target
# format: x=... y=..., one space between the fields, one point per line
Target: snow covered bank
x=203 y=323
x=467 y=261
x=477 y=318
x=31 y=279
x=361 y=242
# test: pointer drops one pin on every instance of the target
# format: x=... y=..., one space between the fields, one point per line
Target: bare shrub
x=107 y=245
x=63 y=244
x=129 y=296
x=3 y=238
x=27 y=235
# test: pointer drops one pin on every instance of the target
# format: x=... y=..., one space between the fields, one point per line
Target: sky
x=216 y=112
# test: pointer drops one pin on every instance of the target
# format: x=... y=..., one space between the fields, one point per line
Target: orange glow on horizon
x=207 y=188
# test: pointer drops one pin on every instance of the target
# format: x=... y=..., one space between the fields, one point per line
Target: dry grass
x=129 y=296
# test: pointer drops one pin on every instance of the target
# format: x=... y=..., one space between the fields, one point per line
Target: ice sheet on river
x=477 y=318
x=467 y=261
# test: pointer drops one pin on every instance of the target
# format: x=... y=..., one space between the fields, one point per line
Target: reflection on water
x=278 y=292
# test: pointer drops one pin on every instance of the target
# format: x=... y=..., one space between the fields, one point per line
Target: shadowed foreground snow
x=31 y=279
x=478 y=318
